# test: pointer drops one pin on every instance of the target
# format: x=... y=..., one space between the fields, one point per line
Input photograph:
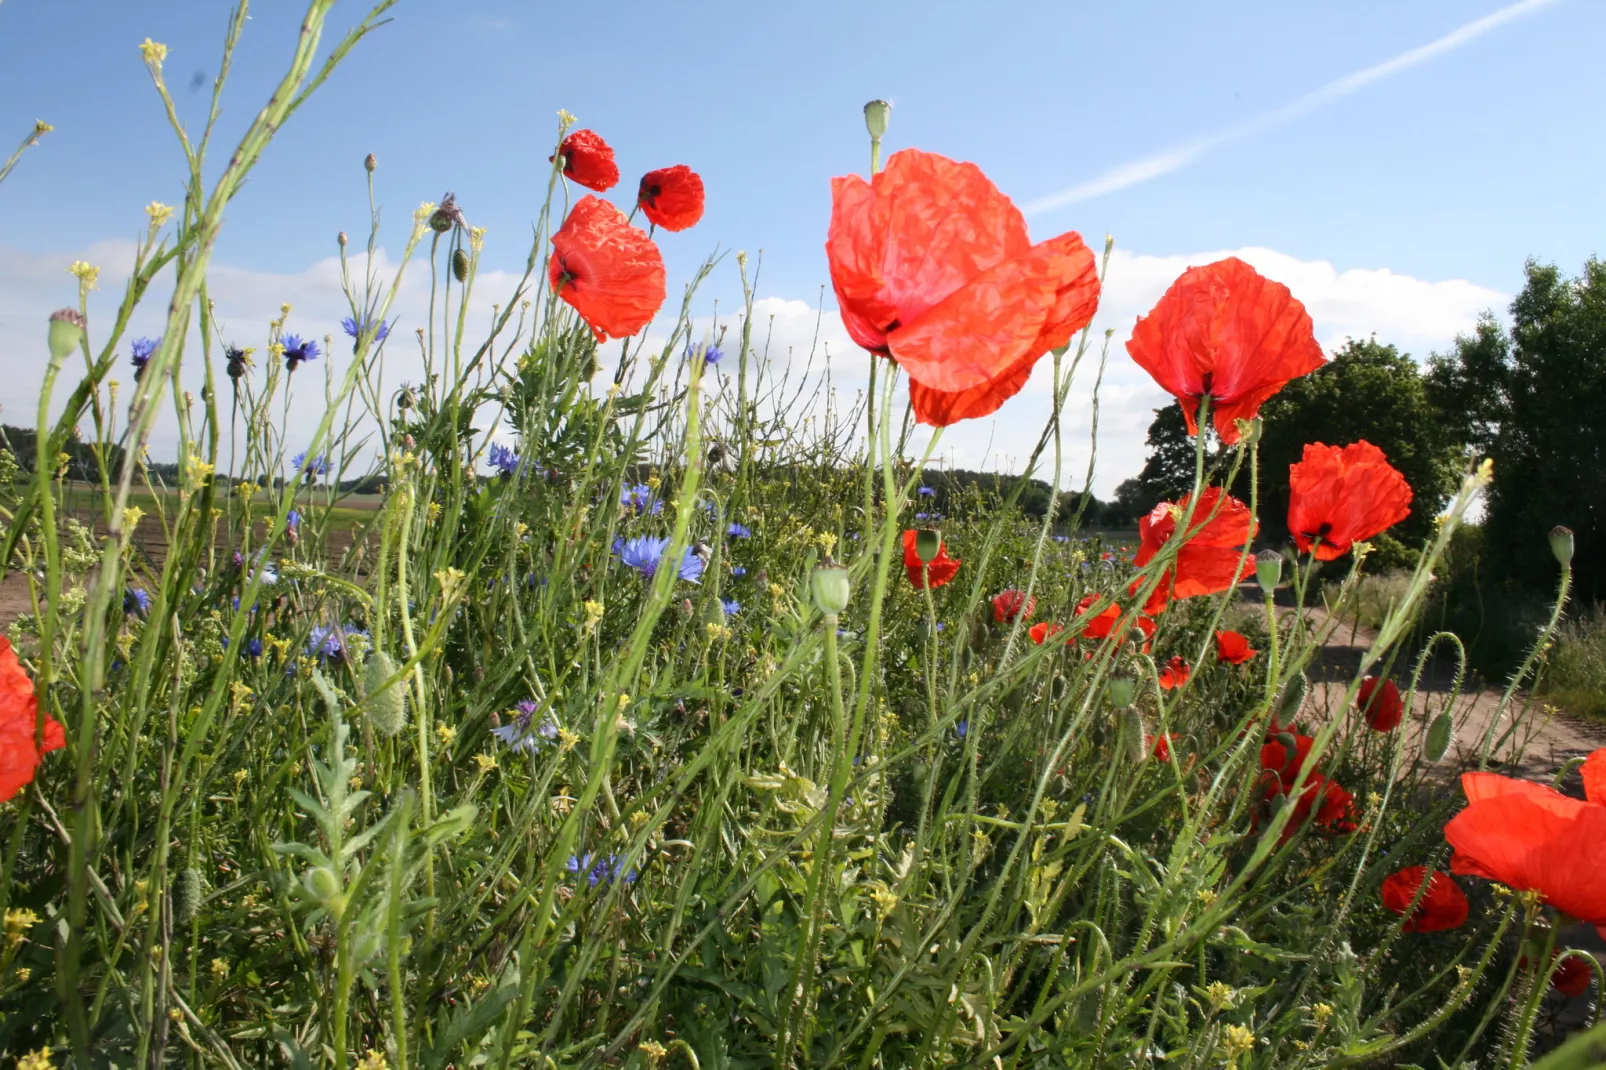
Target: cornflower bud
x=371 y=163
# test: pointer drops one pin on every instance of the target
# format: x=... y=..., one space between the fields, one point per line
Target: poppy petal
x=608 y=271
x=1594 y=772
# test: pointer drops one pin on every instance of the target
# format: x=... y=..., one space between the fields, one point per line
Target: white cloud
x=1417 y=315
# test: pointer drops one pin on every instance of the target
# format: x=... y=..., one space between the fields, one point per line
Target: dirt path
x=1539 y=739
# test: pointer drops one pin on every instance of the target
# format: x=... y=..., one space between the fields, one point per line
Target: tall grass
x=451 y=784
x=1575 y=678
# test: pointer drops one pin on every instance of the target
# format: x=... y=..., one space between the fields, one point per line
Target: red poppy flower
x=19 y=726
x=1284 y=754
x=1233 y=648
x=1573 y=977
x=1160 y=746
x=1101 y=626
x=1011 y=605
x=588 y=160
x=942 y=568
x=1530 y=837
x=671 y=197
x=1175 y=674
x=932 y=267
x=1043 y=631
x=1443 y=905
x=1339 y=496
x=1380 y=702
x=607 y=270
x=1225 y=332
x=1212 y=560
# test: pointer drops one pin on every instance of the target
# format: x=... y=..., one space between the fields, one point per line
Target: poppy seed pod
x=876 y=114
x=928 y=544
x=1561 y=544
x=830 y=588
x=459 y=265
x=1268 y=570
x=66 y=332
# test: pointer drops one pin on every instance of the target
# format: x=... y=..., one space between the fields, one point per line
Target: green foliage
x=1533 y=398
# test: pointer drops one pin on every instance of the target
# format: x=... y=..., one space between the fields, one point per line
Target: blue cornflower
x=518 y=733
x=598 y=869
x=136 y=601
x=504 y=459
x=298 y=352
x=139 y=353
x=962 y=729
x=253 y=648
x=731 y=606
x=922 y=516
x=330 y=642
x=712 y=355
x=292 y=520
x=738 y=570
x=738 y=531
x=926 y=492
x=1062 y=538
x=351 y=327
x=639 y=498
x=313 y=466
x=645 y=553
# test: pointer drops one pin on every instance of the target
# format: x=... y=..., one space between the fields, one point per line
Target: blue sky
x=1448 y=172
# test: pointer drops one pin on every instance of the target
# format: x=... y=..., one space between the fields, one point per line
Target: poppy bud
x=1268 y=570
x=1122 y=690
x=1561 y=544
x=830 y=588
x=66 y=332
x=459 y=265
x=928 y=544
x=322 y=883
x=187 y=903
x=1131 y=728
x=387 y=706
x=370 y=164
x=876 y=114
x=1058 y=688
x=1294 y=697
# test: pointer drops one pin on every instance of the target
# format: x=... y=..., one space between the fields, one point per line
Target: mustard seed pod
x=459 y=265
x=1561 y=544
x=830 y=587
x=928 y=544
x=187 y=900
x=387 y=706
x=66 y=332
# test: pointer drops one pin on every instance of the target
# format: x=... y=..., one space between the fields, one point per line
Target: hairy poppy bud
x=66 y=332
x=371 y=163
x=876 y=114
x=1122 y=690
x=830 y=588
x=322 y=883
x=1294 y=697
x=1561 y=544
x=1268 y=570
x=387 y=706
x=1131 y=728
x=928 y=544
x=187 y=902
x=459 y=265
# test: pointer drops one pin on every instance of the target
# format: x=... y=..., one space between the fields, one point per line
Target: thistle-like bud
x=830 y=588
x=1561 y=544
x=1268 y=570
x=447 y=215
x=876 y=114
x=1122 y=690
x=459 y=265
x=371 y=163
x=387 y=706
x=66 y=332
x=928 y=544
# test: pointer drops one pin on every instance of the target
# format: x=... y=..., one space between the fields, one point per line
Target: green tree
x=1533 y=398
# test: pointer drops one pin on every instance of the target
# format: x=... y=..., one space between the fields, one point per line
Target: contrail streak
x=1136 y=171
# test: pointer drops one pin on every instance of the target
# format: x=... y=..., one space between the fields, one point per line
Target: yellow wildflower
x=654 y=1051
x=1323 y=1013
x=38 y=1059
x=372 y=1061
x=593 y=616
x=433 y=512
x=567 y=740
x=160 y=213
x=1239 y=1040
x=153 y=51
x=131 y=518
x=486 y=762
x=1219 y=994
x=446 y=733
x=86 y=273
x=41 y=127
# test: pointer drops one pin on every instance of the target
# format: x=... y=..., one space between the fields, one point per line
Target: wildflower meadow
x=688 y=720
